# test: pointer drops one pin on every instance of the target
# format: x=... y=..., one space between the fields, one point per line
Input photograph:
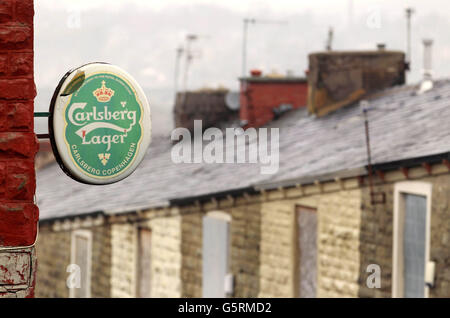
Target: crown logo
x=103 y=94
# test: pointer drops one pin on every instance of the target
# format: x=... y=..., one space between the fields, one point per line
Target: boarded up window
x=144 y=263
x=215 y=255
x=81 y=256
x=306 y=240
x=414 y=246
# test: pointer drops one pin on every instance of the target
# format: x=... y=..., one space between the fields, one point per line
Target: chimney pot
x=256 y=73
x=381 y=46
x=427 y=82
x=427 y=46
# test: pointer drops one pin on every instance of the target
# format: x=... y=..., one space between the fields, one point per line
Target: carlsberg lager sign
x=99 y=124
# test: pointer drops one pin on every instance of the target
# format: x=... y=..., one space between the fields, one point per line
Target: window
x=306 y=254
x=412 y=212
x=216 y=242
x=81 y=254
x=144 y=263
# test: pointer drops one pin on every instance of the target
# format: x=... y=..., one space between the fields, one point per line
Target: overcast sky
x=141 y=36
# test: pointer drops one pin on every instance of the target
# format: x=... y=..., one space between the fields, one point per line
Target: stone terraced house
x=322 y=226
x=309 y=230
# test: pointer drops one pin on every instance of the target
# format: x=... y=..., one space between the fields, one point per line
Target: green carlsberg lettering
x=103 y=125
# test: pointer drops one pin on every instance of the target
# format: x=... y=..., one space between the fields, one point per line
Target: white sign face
x=100 y=125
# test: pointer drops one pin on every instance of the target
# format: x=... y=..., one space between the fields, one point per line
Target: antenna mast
x=189 y=57
x=409 y=12
x=329 y=39
x=179 y=53
x=248 y=21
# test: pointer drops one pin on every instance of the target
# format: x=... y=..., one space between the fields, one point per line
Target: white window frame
x=401 y=188
x=224 y=216
x=88 y=236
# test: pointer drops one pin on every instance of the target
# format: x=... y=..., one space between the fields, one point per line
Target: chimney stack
x=337 y=79
x=381 y=47
x=262 y=98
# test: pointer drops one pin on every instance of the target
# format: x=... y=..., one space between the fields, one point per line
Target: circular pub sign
x=99 y=124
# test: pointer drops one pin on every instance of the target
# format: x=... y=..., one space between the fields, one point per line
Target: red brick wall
x=18 y=146
x=259 y=98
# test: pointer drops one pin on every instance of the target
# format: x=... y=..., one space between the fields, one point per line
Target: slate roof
x=403 y=125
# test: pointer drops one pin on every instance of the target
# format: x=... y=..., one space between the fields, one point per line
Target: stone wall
x=101 y=262
x=277 y=241
x=245 y=249
x=191 y=250
x=165 y=254
x=352 y=234
x=263 y=246
x=123 y=263
x=54 y=252
x=440 y=235
x=337 y=244
x=262 y=251
x=377 y=236
x=245 y=246
x=377 y=240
